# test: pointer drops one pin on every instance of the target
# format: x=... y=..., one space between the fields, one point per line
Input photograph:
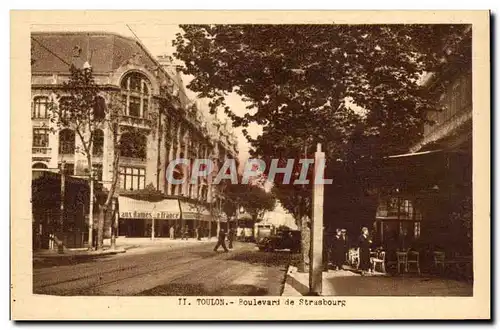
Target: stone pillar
x=316 y=252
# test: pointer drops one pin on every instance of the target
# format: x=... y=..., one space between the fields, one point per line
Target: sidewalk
x=123 y=244
x=351 y=283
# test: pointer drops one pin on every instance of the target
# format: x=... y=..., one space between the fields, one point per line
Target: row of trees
x=354 y=88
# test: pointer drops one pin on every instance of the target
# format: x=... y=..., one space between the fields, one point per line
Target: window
x=98 y=143
x=133 y=145
x=136 y=94
x=65 y=106
x=97 y=171
x=132 y=178
x=40 y=137
x=100 y=108
x=40 y=165
x=66 y=142
x=417 y=230
x=69 y=169
x=40 y=105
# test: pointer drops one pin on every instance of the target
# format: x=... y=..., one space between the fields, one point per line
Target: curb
x=293 y=287
x=79 y=256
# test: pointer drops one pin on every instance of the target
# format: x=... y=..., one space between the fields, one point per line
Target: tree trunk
x=100 y=227
x=91 y=201
x=305 y=237
x=111 y=192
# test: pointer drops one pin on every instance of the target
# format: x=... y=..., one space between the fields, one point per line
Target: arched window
x=133 y=145
x=100 y=108
x=66 y=142
x=40 y=165
x=65 y=106
x=40 y=107
x=98 y=142
x=136 y=93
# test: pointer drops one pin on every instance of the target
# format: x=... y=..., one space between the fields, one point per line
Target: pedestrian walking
x=221 y=241
x=364 y=251
x=172 y=232
x=185 y=232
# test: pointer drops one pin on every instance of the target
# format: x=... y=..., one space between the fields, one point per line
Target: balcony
x=41 y=152
x=137 y=122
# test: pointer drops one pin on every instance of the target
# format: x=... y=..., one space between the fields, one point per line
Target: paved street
x=166 y=270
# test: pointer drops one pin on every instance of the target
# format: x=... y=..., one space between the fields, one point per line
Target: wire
x=47 y=49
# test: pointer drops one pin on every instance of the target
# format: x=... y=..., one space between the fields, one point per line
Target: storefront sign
x=130 y=208
x=149 y=215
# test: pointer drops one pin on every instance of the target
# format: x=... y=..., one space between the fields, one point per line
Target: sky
x=158 y=40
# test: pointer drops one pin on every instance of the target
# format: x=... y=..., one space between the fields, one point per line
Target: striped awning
x=130 y=208
x=191 y=211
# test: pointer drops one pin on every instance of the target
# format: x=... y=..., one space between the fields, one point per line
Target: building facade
x=166 y=123
x=429 y=205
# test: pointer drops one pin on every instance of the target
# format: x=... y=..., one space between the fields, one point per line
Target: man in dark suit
x=221 y=241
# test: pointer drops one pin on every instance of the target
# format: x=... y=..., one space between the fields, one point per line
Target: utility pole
x=316 y=251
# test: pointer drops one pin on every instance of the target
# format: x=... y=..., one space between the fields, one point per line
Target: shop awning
x=130 y=208
x=191 y=211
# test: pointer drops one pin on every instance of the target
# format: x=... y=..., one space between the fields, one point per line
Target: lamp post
x=153 y=223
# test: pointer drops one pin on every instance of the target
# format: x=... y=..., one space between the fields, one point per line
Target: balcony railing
x=41 y=151
x=136 y=122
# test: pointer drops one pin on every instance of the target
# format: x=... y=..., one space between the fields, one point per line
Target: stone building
x=166 y=123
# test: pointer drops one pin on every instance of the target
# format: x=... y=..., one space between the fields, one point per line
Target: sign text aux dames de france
x=149 y=215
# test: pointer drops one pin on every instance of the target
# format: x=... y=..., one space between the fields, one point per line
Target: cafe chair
x=402 y=260
x=414 y=259
x=439 y=258
x=380 y=260
x=354 y=257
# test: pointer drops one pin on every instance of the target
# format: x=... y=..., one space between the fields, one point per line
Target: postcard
x=250 y=165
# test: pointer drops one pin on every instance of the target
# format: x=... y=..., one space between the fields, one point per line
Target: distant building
x=169 y=130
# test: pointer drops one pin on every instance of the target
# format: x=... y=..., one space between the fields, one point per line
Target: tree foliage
x=253 y=198
x=354 y=88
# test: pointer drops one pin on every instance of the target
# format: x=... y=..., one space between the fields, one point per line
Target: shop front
x=397 y=224
x=195 y=216
x=144 y=218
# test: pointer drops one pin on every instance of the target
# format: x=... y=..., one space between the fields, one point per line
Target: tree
x=83 y=108
x=354 y=88
x=77 y=111
x=253 y=198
